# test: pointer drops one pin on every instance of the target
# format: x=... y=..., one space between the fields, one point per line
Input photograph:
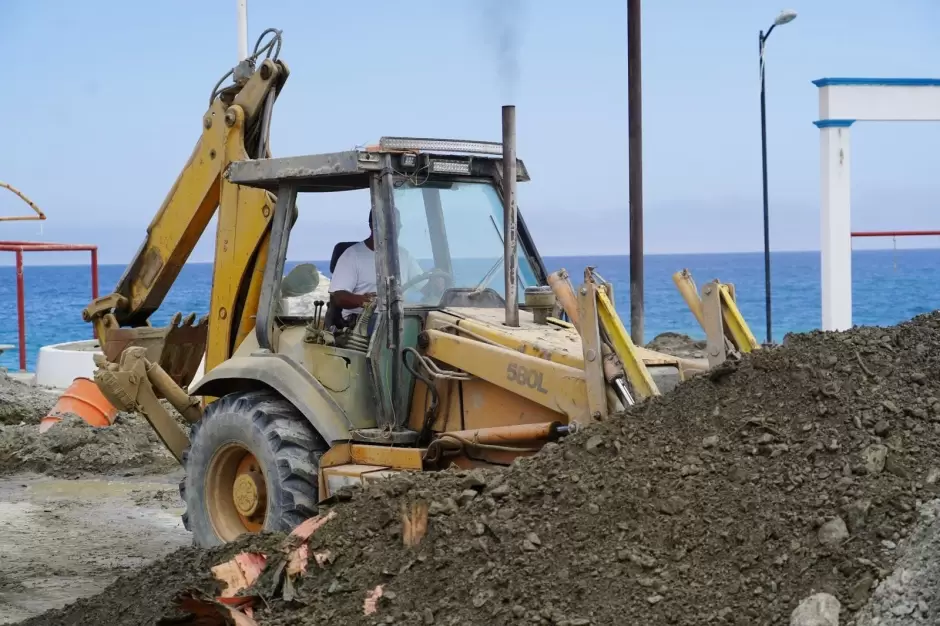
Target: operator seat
x=334 y=315
x=338 y=251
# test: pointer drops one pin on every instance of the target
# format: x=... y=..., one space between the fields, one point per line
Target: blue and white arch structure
x=842 y=102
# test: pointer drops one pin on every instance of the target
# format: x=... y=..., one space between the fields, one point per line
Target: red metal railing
x=895 y=233
x=19 y=247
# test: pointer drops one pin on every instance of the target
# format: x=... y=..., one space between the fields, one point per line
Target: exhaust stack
x=510 y=222
x=242 y=25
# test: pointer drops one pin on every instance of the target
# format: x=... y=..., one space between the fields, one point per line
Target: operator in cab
x=353 y=282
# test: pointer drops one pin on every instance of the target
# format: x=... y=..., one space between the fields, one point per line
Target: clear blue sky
x=104 y=101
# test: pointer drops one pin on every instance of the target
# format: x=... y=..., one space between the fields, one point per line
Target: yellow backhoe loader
x=481 y=357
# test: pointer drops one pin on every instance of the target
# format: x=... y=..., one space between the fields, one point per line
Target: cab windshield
x=451 y=237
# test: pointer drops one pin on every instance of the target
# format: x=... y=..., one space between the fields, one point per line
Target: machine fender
x=288 y=378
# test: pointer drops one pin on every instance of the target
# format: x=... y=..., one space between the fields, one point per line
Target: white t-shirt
x=355 y=271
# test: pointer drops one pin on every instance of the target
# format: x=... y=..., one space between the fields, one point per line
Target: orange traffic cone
x=84 y=399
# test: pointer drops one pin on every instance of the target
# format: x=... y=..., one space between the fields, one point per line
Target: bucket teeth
x=189 y=319
x=176 y=319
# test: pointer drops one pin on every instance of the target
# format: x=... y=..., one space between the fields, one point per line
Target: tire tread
x=296 y=445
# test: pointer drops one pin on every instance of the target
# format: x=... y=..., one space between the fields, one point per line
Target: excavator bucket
x=178 y=347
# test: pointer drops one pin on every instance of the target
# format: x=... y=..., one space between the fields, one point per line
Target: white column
x=836 y=225
x=242 y=12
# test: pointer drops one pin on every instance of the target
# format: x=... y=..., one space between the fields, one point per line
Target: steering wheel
x=425 y=276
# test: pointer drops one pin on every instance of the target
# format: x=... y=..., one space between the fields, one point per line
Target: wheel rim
x=236 y=492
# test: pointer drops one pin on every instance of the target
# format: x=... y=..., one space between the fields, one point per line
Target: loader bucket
x=178 y=347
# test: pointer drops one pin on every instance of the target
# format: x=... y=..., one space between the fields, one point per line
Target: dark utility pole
x=763 y=148
x=635 y=105
x=784 y=18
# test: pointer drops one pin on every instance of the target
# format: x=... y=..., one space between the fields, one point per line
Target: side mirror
x=300 y=281
x=301 y=289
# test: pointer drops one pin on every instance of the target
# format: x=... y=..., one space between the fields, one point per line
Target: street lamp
x=785 y=17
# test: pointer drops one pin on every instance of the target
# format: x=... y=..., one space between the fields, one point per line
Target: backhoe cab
x=424 y=378
x=463 y=358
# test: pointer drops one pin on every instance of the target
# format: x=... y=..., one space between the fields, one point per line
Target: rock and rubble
x=909 y=595
x=743 y=494
x=820 y=609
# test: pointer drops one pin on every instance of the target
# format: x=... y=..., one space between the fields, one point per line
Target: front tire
x=251 y=465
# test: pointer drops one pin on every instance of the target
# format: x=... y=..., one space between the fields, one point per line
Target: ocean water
x=888 y=287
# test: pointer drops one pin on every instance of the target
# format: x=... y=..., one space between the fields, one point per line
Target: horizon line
x=544 y=256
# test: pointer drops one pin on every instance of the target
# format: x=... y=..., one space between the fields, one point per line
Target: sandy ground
x=65 y=539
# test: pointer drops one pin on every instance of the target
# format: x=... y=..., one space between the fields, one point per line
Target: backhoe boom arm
x=234 y=128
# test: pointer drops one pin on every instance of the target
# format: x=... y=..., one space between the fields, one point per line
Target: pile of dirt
x=72 y=447
x=150 y=594
x=727 y=501
x=678 y=344
x=20 y=403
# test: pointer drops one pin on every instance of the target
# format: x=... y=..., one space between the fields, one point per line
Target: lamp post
x=785 y=17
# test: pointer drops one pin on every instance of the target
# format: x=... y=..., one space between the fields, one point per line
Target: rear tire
x=257 y=434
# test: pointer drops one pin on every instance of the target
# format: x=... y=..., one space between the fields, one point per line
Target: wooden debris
x=414 y=523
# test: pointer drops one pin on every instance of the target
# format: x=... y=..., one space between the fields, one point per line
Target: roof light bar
x=441 y=145
x=439 y=166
